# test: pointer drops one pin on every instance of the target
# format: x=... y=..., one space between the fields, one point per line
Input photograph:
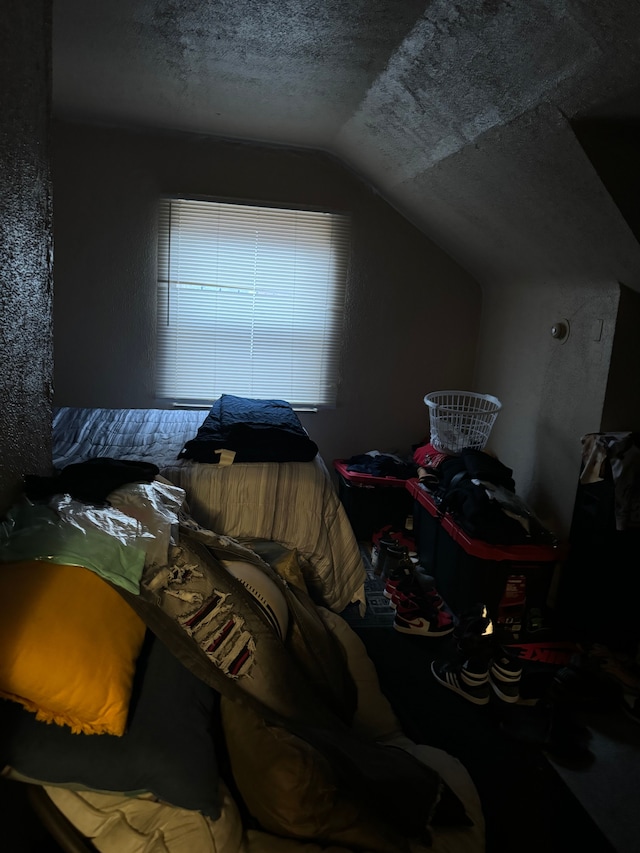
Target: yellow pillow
x=69 y=646
x=290 y=788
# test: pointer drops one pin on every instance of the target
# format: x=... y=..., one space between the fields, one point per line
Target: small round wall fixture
x=560 y=331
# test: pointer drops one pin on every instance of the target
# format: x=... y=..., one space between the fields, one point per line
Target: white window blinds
x=250 y=302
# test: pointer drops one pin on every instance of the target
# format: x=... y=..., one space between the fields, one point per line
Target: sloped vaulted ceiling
x=459 y=113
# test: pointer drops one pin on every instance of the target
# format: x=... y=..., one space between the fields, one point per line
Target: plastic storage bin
x=372 y=502
x=468 y=571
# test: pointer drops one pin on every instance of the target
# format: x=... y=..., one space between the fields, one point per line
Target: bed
x=208 y=725
x=293 y=503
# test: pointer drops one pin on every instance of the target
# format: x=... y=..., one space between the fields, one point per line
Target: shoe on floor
x=396 y=593
x=400 y=581
x=392 y=592
x=414 y=584
x=420 y=617
x=474 y=634
x=504 y=677
x=469 y=680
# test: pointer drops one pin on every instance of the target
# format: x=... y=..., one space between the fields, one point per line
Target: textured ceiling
x=433 y=103
x=285 y=71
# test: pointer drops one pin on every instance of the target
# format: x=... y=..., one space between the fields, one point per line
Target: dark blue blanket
x=257 y=430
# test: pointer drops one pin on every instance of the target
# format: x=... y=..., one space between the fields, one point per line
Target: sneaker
x=399 y=572
x=504 y=678
x=397 y=593
x=391 y=591
x=412 y=581
x=474 y=633
x=379 y=551
x=393 y=558
x=425 y=584
x=419 y=617
x=474 y=623
x=467 y=678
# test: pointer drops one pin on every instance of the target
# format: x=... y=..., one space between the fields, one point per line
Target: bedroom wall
x=412 y=313
x=565 y=250
x=553 y=390
x=26 y=246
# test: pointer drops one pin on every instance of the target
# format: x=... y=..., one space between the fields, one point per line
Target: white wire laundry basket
x=460 y=419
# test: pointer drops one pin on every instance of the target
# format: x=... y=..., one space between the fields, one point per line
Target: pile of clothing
x=480 y=494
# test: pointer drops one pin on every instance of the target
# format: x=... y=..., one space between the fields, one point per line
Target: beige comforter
x=294 y=503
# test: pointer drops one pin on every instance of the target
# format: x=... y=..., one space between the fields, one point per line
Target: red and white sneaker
x=395 y=593
x=391 y=589
x=418 y=616
x=434 y=598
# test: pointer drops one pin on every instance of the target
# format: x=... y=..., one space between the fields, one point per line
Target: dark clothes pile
x=255 y=430
x=381 y=465
x=479 y=492
x=90 y=481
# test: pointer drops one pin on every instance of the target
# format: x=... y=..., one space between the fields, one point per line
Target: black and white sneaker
x=474 y=632
x=504 y=676
x=469 y=679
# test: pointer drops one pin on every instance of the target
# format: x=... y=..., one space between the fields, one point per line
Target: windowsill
x=306 y=410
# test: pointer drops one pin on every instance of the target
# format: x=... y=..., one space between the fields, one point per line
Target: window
x=250 y=302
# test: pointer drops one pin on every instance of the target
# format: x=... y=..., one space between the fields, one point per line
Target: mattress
x=293 y=503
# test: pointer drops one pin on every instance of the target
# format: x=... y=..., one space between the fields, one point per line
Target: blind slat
x=250 y=301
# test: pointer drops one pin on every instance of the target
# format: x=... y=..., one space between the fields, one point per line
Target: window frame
x=337 y=246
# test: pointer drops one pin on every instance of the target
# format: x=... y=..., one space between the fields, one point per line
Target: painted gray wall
x=460 y=115
x=552 y=391
x=413 y=322
x=25 y=246
x=562 y=250
x=412 y=314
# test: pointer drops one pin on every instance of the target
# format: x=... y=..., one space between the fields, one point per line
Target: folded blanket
x=255 y=430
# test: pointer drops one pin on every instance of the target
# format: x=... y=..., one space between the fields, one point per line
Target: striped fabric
x=294 y=503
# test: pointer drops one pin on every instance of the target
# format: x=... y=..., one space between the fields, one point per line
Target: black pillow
x=168 y=748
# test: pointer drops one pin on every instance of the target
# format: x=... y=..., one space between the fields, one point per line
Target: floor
x=605 y=780
x=609 y=788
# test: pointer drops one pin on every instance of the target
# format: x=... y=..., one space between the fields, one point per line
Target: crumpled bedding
x=69 y=533
x=116 y=824
x=114 y=539
x=339 y=674
x=294 y=503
